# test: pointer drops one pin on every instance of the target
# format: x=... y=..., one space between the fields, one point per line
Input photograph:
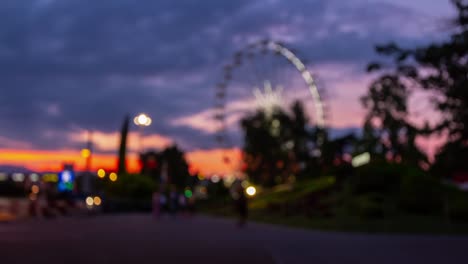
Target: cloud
x=213 y=161
x=11 y=143
x=75 y=65
x=109 y=142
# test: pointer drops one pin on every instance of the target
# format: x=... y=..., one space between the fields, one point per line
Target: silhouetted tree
x=171 y=159
x=122 y=168
x=440 y=68
x=387 y=120
x=150 y=162
x=275 y=144
x=177 y=166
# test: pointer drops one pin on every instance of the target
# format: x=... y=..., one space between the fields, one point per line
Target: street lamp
x=142 y=120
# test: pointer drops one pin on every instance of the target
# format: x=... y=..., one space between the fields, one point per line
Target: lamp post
x=87 y=154
x=142 y=120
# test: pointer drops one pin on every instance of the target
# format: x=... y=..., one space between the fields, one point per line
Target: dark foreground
x=140 y=239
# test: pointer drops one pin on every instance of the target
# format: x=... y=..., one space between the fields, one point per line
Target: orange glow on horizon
x=211 y=161
x=204 y=161
x=52 y=160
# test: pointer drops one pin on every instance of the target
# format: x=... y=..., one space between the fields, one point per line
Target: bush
x=366 y=206
x=377 y=177
x=457 y=205
x=137 y=187
x=420 y=194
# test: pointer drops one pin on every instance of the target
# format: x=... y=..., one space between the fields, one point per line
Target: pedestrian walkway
x=135 y=238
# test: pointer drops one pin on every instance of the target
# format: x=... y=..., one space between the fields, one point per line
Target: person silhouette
x=241 y=206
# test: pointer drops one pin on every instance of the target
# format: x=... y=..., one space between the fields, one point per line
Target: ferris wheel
x=266 y=75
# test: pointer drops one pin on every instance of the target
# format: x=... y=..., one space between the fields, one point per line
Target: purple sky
x=71 y=65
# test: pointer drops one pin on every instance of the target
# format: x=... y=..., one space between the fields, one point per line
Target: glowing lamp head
x=142 y=120
x=251 y=191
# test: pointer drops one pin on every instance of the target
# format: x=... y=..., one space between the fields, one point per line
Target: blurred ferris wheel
x=266 y=75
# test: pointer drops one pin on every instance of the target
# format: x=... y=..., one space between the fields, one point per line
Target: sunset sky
x=70 y=66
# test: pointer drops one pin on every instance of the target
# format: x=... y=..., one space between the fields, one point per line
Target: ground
x=137 y=238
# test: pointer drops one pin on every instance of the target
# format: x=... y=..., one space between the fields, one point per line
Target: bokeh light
x=251 y=191
x=34 y=177
x=89 y=201
x=101 y=173
x=113 y=176
x=35 y=189
x=85 y=153
x=215 y=178
x=97 y=201
x=142 y=120
x=18 y=177
x=3 y=176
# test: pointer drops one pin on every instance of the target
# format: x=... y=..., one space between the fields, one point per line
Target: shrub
x=368 y=206
x=420 y=194
x=137 y=187
x=457 y=205
x=377 y=177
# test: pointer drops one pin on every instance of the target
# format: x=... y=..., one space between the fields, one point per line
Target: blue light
x=66 y=181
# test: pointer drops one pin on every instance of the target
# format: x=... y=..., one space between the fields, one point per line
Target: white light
x=3 y=176
x=34 y=177
x=276 y=123
x=18 y=177
x=215 y=178
x=269 y=99
x=66 y=176
x=251 y=191
x=316 y=153
x=229 y=180
x=290 y=144
x=89 y=201
x=361 y=159
x=142 y=120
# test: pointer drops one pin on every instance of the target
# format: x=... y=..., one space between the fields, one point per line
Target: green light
x=188 y=193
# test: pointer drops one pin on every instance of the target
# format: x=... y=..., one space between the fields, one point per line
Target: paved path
x=139 y=239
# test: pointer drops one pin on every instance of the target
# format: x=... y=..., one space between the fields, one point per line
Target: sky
x=70 y=66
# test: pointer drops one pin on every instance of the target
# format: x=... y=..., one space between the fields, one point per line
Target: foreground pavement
x=140 y=239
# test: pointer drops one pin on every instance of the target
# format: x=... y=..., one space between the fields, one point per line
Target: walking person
x=241 y=206
x=173 y=201
x=156 y=204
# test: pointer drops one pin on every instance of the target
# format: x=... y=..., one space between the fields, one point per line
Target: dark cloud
x=84 y=64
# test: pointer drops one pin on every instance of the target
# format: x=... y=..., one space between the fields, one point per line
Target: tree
x=150 y=162
x=177 y=166
x=440 y=68
x=386 y=126
x=300 y=135
x=122 y=169
x=274 y=144
x=173 y=161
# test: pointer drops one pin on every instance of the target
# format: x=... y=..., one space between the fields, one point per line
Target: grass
x=397 y=223
x=408 y=224
x=286 y=194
